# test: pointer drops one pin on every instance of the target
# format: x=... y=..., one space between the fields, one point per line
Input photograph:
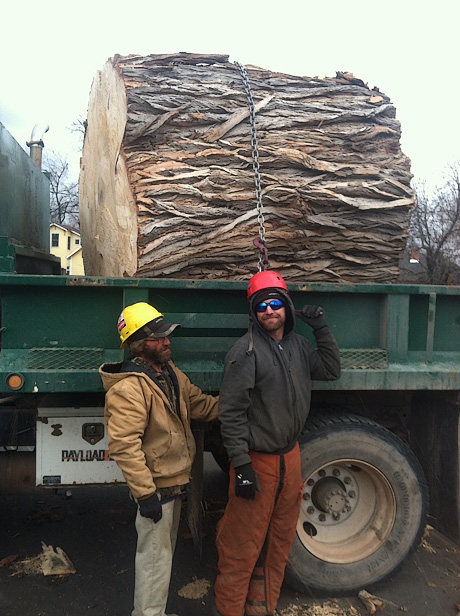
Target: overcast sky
x=409 y=49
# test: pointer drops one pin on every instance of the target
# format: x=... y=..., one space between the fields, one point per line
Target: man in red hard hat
x=263 y=405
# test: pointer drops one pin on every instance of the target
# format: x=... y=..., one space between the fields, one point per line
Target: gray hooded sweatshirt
x=265 y=395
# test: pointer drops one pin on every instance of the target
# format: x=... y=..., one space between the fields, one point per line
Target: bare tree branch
x=79 y=126
x=63 y=193
x=435 y=229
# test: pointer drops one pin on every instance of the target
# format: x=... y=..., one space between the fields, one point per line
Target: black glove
x=151 y=508
x=246 y=482
x=312 y=316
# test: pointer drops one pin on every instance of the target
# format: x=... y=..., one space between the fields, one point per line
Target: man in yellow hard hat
x=148 y=408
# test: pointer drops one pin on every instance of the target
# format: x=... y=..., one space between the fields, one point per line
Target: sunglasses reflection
x=274 y=304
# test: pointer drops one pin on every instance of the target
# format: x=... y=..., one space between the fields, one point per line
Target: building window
x=55 y=240
x=69 y=240
x=77 y=241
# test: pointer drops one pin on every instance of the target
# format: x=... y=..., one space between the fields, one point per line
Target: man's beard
x=160 y=358
x=273 y=324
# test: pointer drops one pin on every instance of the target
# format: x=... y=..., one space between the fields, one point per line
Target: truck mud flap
x=435 y=440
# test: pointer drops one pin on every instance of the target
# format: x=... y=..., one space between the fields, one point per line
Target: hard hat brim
x=162 y=329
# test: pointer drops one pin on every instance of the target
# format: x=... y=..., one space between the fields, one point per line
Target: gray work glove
x=246 y=482
x=312 y=316
x=151 y=508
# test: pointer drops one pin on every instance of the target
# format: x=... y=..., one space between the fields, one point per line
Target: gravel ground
x=94 y=528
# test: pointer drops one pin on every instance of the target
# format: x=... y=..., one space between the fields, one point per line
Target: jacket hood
x=274 y=293
x=111 y=374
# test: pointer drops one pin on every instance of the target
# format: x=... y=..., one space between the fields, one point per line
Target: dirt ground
x=94 y=528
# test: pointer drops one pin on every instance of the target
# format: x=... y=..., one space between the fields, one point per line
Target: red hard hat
x=265 y=280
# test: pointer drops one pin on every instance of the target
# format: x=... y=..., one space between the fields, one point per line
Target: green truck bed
x=57 y=330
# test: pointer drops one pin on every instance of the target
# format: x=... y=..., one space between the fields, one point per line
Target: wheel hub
x=348 y=510
x=329 y=496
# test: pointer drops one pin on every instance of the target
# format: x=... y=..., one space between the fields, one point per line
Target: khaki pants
x=254 y=537
x=154 y=553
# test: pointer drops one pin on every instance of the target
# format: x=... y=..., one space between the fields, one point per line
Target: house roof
x=65 y=228
x=69 y=256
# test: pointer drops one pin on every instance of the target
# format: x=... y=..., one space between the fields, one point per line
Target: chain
x=263 y=256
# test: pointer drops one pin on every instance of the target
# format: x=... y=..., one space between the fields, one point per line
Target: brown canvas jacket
x=152 y=445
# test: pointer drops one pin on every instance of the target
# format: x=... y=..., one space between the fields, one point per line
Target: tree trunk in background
x=167 y=182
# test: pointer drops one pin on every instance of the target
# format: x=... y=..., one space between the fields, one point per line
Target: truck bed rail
x=57 y=330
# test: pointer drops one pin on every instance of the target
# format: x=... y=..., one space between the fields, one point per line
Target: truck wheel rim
x=348 y=510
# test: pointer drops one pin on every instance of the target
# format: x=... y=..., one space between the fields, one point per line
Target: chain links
x=263 y=256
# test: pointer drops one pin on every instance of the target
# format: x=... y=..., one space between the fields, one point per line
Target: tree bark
x=167 y=180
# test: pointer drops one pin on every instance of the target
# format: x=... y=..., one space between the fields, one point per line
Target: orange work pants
x=254 y=537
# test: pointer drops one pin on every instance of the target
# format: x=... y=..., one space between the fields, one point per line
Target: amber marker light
x=15 y=381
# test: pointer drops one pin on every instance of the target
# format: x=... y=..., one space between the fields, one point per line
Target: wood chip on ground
x=197 y=589
x=52 y=561
x=328 y=608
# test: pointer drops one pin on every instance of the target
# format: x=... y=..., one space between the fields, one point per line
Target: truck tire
x=364 y=506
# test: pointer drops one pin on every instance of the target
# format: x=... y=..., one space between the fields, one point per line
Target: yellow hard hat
x=140 y=321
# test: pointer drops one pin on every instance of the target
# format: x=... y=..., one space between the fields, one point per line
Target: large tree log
x=167 y=182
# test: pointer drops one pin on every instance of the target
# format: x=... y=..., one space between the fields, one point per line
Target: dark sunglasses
x=275 y=304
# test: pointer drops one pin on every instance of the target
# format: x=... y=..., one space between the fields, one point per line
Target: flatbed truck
x=380 y=450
